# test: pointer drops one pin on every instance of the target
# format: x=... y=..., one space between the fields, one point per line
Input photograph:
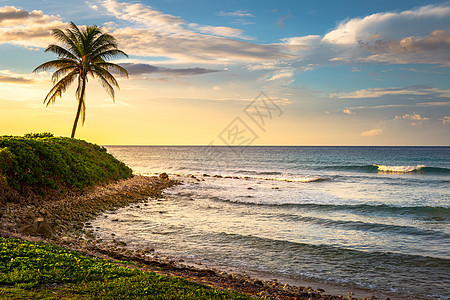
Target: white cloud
x=347 y=111
x=158 y=34
x=281 y=75
x=267 y=65
x=305 y=41
x=372 y=132
x=380 y=92
x=376 y=26
x=6 y=76
x=28 y=29
x=143 y=14
x=413 y=117
x=238 y=13
x=220 y=31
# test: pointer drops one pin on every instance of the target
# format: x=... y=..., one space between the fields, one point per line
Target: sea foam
x=399 y=169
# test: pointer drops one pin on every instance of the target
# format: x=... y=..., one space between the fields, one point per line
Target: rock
x=38 y=227
x=163 y=175
x=192 y=176
x=121 y=243
x=259 y=282
x=264 y=294
x=205 y=175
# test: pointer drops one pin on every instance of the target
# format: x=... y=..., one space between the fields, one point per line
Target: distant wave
x=338 y=254
x=393 y=169
x=293 y=178
x=399 y=169
x=296 y=179
x=429 y=212
x=258 y=173
x=363 y=226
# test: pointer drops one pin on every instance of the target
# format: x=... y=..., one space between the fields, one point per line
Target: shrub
x=41 y=162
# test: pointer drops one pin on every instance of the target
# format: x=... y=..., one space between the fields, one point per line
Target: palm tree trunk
x=80 y=103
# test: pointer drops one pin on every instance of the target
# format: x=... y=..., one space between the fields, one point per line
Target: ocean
x=375 y=218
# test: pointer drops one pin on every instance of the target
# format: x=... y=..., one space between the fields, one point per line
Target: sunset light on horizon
x=335 y=73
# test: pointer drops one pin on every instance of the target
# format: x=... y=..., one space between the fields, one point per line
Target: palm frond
x=99 y=72
x=59 y=88
x=113 y=67
x=108 y=54
x=60 y=51
x=103 y=40
x=108 y=87
x=77 y=37
x=62 y=72
x=68 y=39
x=54 y=64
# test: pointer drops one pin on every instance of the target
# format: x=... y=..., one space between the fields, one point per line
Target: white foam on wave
x=297 y=179
x=399 y=169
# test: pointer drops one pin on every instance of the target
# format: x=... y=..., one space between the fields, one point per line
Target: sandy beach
x=65 y=222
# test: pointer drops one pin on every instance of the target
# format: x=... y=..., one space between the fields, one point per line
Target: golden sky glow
x=354 y=83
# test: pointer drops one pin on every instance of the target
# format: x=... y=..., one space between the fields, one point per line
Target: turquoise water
x=368 y=217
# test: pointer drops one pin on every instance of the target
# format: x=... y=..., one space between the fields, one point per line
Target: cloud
x=268 y=65
x=220 y=31
x=372 y=132
x=158 y=34
x=194 y=47
x=238 y=13
x=6 y=76
x=280 y=22
x=9 y=79
x=431 y=49
x=139 y=69
x=281 y=75
x=306 y=41
x=380 y=25
x=347 y=111
x=437 y=40
x=143 y=14
x=414 y=117
x=29 y=29
x=380 y=92
x=419 y=35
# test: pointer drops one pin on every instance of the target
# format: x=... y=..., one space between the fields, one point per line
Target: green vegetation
x=85 y=52
x=30 y=270
x=38 y=163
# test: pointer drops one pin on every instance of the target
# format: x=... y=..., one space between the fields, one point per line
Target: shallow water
x=368 y=217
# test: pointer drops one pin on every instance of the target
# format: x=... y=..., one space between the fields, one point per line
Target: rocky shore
x=65 y=222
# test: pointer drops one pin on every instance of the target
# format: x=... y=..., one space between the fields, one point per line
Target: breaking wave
x=393 y=169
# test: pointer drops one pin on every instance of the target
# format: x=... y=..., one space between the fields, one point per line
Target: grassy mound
x=40 y=164
x=30 y=270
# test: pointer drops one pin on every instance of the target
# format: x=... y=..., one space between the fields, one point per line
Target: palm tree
x=83 y=52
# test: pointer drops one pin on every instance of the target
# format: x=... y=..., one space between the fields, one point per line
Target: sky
x=249 y=72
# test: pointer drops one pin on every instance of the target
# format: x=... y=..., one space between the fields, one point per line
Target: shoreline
x=65 y=223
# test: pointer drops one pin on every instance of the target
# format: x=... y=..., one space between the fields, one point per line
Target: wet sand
x=65 y=222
